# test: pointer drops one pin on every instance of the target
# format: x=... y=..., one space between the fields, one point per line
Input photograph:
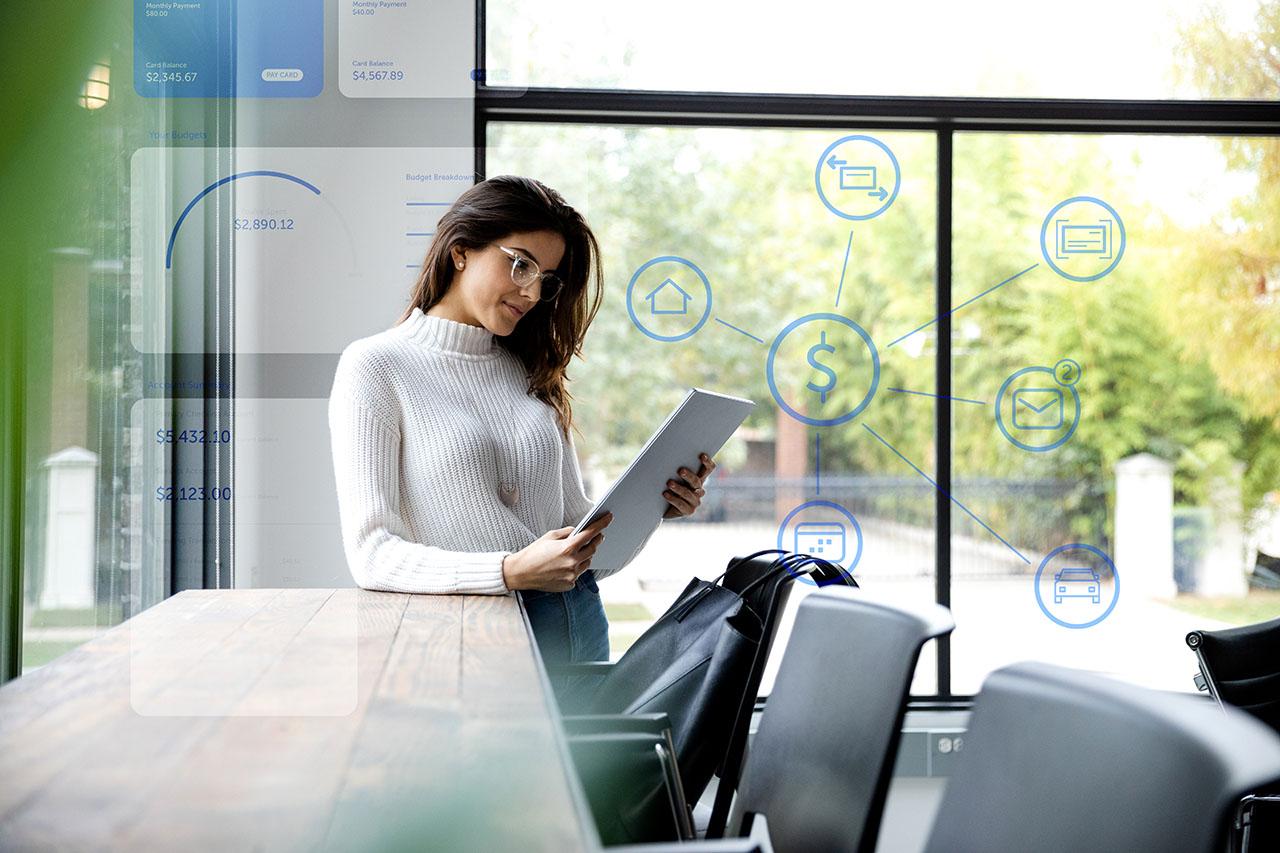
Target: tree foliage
x=1180 y=345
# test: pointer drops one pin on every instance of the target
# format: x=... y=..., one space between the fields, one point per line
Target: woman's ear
x=459 y=256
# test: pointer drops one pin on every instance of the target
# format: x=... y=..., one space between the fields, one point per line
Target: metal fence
x=1033 y=515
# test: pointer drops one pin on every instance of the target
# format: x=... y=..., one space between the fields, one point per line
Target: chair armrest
x=595 y=667
x=757 y=842
x=591 y=724
x=653 y=726
x=1245 y=816
x=715 y=845
x=627 y=780
x=575 y=683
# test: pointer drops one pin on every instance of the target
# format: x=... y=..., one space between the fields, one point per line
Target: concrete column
x=1223 y=570
x=1144 y=526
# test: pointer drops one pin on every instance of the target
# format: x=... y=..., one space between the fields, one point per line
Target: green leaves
x=1175 y=360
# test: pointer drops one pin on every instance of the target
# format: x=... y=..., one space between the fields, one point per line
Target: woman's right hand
x=553 y=561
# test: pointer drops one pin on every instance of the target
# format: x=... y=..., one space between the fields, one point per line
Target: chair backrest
x=768 y=599
x=820 y=765
x=1061 y=760
x=1242 y=667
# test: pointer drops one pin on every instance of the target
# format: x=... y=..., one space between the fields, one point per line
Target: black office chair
x=1240 y=667
x=1061 y=760
x=818 y=772
x=631 y=803
x=820 y=766
x=634 y=773
x=770 y=601
x=763 y=581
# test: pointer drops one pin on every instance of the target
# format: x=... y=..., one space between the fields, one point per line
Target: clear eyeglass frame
x=525 y=271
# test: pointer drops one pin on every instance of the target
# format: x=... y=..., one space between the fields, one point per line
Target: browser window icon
x=1078 y=239
x=857 y=177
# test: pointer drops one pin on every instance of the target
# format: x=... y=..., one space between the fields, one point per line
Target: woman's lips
x=514 y=310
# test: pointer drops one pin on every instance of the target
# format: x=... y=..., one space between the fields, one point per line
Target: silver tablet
x=702 y=423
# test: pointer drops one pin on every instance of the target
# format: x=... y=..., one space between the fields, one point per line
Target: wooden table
x=293 y=720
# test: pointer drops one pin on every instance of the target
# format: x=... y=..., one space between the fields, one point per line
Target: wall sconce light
x=97 y=86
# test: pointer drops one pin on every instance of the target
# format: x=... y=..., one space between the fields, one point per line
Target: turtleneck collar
x=450 y=336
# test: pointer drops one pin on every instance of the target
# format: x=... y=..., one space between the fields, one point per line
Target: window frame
x=944 y=116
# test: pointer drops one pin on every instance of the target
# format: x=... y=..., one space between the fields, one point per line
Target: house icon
x=669 y=300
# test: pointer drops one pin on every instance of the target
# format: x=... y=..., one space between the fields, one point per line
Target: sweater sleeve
x=366 y=459
x=577 y=505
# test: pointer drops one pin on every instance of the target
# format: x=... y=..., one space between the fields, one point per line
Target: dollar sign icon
x=824 y=389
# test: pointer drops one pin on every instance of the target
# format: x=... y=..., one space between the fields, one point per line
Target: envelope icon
x=1037 y=408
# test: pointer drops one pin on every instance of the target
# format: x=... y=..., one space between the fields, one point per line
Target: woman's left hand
x=685 y=495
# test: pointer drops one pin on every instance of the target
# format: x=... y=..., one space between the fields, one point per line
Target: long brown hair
x=552 y=332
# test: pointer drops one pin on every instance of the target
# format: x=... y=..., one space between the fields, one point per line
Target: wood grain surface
x=301 y=719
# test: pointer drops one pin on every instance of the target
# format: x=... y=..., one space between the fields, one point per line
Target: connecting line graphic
x=844 y=267
x=938 y=396
x=736 y=329
x=817 y=462
x=962 y=304
x=949 y=497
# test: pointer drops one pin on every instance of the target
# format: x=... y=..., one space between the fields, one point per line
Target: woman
x=455 y=466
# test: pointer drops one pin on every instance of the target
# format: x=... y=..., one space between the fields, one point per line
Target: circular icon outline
x=897 y=177
x=706 y=285
x=1075 y=422
x=777 y=343
x=1077 y=546
x=857 y=529
x=1044 y=248
x=1073 y=363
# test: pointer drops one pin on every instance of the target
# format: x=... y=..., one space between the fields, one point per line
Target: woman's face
x=483 y=294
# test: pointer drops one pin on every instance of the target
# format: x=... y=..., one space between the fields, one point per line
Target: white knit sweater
x=444 y=462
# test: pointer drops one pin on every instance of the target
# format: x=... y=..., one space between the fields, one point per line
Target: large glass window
x=993 y=48
x=1114 y=465
x=1129 y=410
x=742 y=206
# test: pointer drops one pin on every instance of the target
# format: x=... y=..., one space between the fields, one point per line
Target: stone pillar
x=1144 y=527
x=790 y=462
x=1223 y=569
x=70 y=543
x=69 y=348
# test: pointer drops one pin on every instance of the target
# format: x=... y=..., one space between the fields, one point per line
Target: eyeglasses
x=524 y=272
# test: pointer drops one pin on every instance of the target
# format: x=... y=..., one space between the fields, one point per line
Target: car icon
x=1077 y=583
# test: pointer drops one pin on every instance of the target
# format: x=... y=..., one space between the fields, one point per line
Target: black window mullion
x=1005 y=115
x=480 y=123
x=942 y=409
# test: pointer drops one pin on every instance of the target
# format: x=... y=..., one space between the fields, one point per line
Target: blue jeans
x=570 y=627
